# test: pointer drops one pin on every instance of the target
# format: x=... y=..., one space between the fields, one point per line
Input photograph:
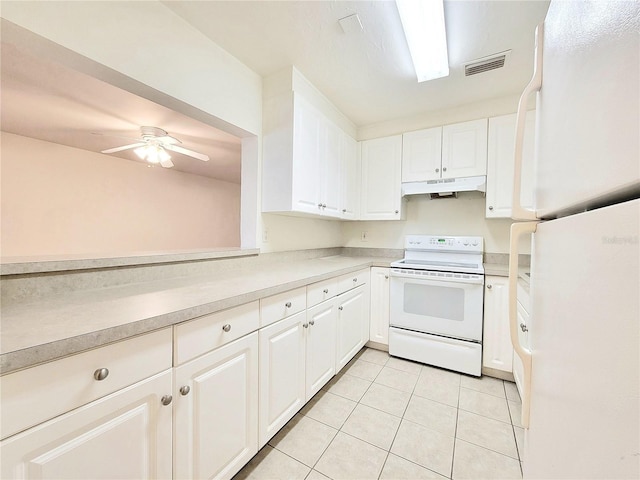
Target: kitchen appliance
x=445 y=186
x=436 y=300
x=581 y=368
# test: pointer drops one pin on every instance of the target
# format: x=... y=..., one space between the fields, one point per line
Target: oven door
x=441 y=303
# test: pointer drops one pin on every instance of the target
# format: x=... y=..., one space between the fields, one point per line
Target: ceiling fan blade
x=191 y=153
x=166 y=163
x=124 y=147
x=168 y=140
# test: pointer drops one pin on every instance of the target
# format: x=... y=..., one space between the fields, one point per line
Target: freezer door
x=587 y=109
x=584 y=333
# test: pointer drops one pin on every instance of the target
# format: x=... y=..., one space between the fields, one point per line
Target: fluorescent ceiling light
x=423 y=24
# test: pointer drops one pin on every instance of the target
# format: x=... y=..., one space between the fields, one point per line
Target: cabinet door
x=381 y=196
x=379 y=316
x=497 y=351
x=124 y=435
x=216 y=420
x=282 y=374
x=352 y=315
x=320 y=346
x=501 y=151
x=350 y=195
x=306 y=158
x=421 y=155
x=330 y=166
x=464 y=149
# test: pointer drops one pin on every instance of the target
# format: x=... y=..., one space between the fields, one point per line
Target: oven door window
x=434 y=301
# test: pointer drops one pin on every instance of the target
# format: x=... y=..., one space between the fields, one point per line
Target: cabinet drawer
x=352 y=280
x=199 y=336
x=321 y=291
x=31 y=396
x=282 y=305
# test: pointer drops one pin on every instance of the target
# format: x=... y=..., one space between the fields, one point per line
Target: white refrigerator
x=581 y=385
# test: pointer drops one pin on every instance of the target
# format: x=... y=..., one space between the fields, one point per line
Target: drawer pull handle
x=226 y=327
x=312 y=322
x=288 y=304
x=101 y=374
x=166 y=400
x=326 y=290
x=184 y=390
x=340 y=307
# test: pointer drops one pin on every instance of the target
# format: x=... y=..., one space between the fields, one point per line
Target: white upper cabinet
x=421 y=155
x=303 y=160
x=464 y=149
x=501 y=148
x=350 y=178
x=381 y=163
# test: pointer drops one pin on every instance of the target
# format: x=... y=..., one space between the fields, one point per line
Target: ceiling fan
x=153 y=145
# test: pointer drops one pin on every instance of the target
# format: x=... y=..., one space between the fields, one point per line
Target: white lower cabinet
x=353 y=324
x=282 y=374
x=379 y=315
x=216 y=411
x=125 y=435
x=497 y=351
x=320 y=347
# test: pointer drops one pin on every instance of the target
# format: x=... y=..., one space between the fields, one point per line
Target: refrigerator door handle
x=517 y=231
x=518 y=212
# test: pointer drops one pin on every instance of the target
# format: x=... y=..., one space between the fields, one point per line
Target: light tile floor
x=388 y=418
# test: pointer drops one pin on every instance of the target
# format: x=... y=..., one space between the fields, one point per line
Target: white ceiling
x=369 y=75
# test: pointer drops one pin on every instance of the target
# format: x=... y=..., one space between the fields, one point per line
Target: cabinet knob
x=184 y=390
x=319 y=205
x=166 y=400
x=397 y=211
x=386 y=277
x=437 y=170
x=340 y=307
x=355 y=279
x=312 y=322
x=324 y=205
x=523 y=327
x=288 y=304
x=490 y=207
x=344 y=210
x=305 y=325
x=325 y=291
x=489 y=286
x=226 y=327
x=444 y=169
x=101 y=373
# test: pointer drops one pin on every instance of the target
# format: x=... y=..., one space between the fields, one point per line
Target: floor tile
x=272 y=463
x=397 y=379
x=484 y=404
x=363 y=369
x=375 y=356
x=438 y=387
x=488 y=433
x=386 y=399
x=347 y=386
x=519 y=432
x=372 y=426
x=424 y=446
x=473 y=462
x=431 y=414
x=315 y=475
x=512 y=392
x=440 y=374
x=397 y=468
x=349 y=458
x=304 y=439
x=515 y=410
x=404 y=365
x=329 y=409
x=484 y=384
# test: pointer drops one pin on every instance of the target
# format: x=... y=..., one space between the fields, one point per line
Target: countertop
x=53 y=327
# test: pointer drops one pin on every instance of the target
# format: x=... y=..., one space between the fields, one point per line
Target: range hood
x=445 y=187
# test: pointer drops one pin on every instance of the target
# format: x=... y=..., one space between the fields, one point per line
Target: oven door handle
x=477 y=280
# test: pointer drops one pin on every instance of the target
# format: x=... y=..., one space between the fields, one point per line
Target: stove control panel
x=443 y=243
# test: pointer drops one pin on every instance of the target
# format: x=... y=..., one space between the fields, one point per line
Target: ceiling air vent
x=485 y=64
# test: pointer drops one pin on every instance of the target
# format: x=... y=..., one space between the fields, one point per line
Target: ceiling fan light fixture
x=424 y=29
x=152 y=153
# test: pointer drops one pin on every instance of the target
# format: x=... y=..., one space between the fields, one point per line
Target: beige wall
x=283 y=233
x=58 y=200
